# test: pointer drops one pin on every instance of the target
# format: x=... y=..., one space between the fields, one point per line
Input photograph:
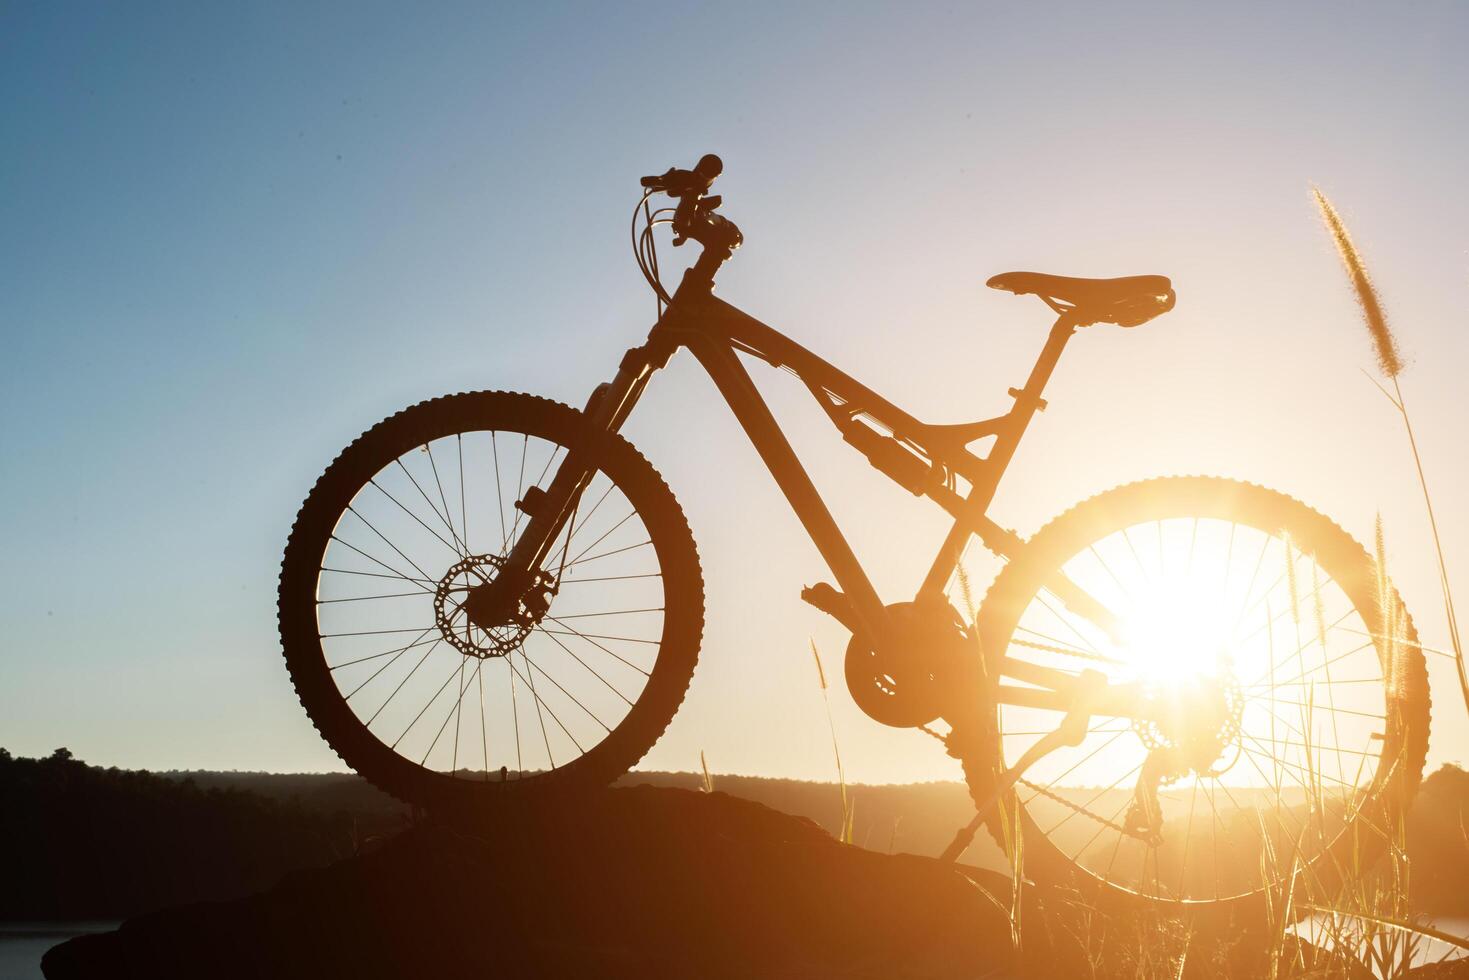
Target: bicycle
x=1165 y=641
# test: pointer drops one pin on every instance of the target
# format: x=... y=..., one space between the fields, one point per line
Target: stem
x=1443 y=571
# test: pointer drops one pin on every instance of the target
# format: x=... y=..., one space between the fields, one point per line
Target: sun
x=1176 y=630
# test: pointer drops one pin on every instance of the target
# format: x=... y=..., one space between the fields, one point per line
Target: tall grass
x=849 y=804
x=1390 y=364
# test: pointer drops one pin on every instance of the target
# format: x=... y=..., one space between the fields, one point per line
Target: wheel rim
x=1274 y=770
x=517 y=703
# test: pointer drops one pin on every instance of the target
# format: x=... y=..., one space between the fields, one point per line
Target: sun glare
x=1176 y=630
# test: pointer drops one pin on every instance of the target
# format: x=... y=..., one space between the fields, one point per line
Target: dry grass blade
x=1391 y=363
x=849 y=807
x=1388 y=358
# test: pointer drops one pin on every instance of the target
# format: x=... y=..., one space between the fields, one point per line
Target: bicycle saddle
x=1127 y=302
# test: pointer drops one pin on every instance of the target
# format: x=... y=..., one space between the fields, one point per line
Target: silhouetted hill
x=658 y=882
x=1438 y=842
x=638 y=882
x=79 y=842
x=914 y=818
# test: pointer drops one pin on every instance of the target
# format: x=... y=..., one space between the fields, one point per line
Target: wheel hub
x=465 y=624
x=1192 y=724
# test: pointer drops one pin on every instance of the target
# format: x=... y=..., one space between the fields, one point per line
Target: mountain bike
x=1178 y=691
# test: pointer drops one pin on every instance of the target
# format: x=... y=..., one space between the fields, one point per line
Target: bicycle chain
x=1056 y=797
x=1042 y=791
x=1064 y=651
x=1078 y=808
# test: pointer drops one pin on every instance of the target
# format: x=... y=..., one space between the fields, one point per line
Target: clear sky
x=232 y=236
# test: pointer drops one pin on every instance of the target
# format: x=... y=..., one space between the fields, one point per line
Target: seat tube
x=1028 y=401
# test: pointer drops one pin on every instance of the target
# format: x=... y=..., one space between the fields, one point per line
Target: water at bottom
x=22 y=944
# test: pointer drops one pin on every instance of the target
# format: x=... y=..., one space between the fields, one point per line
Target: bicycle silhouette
x=491 y=595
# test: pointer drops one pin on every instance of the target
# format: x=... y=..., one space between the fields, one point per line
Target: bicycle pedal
x=824 y=596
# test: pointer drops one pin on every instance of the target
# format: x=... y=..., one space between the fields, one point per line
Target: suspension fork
x=608 y=407
x=551 y=509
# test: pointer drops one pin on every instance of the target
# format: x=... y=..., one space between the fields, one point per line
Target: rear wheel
x=1288 y=717
x=418 y=698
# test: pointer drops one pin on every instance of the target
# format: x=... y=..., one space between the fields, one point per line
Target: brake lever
x=661 y=182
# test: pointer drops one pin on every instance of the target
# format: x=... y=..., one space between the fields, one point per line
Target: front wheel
x=416 y=696
x=1285 y=717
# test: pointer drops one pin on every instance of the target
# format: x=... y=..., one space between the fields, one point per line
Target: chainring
x=908 y=688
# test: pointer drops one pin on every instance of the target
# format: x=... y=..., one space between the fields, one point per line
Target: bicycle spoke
x=574 y=699
x=401 y=506
x=419 y=642
x=390 y=544
x=519 y=495
x=484 y=738
x=608 y=578
x=396 y=572
x=1188 y=837
x=458 y=547
x=434 y=466
x=630 y=515
x=365 y=598
x=600 y=636
x=1117 y=782
x=590 y=514
x=499 y=492
x=572 y=632
x=463 y=511
x=1296 y=653
x=405 y=578
x=459 y=668
x=618 y=612
x=405 y=680
x=515 y=717
x=609 y=554
x=453 y=713
x=535 y=697
x=598 y=676
x=330 y=636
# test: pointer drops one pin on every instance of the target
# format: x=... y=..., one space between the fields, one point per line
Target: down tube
x=770 y=442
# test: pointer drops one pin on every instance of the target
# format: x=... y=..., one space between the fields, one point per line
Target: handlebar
x=694 y=218
x=683 y=183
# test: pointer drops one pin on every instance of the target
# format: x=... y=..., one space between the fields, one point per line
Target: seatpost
x=1028 y=400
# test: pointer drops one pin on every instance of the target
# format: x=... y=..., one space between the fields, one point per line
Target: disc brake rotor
x=462 y=633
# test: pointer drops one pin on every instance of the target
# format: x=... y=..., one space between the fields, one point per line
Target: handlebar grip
x=709 y=167
x=681 y=183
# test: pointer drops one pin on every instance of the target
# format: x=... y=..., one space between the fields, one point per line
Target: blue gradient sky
x=233 y=236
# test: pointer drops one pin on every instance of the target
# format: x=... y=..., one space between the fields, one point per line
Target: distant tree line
x=77 y=841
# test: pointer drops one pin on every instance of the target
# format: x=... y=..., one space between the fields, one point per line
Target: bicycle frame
x=924 y=458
